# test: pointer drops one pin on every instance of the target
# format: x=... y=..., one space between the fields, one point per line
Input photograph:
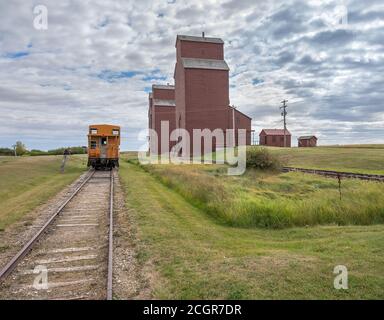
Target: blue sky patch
x=112 y=76
x=154 y=77
x=16 y=54
x=257 y=82
x=103 y=23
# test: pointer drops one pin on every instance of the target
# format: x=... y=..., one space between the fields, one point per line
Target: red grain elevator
x=202 y=87
x=161 y=108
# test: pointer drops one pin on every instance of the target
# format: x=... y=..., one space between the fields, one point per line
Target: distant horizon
x=294 y=146
x=126 y=141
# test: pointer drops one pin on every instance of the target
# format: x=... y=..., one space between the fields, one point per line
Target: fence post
x=63 y=163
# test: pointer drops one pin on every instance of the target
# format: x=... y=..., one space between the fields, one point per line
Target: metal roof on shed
x=307 y=137
x=194 y=63
x=275 y=132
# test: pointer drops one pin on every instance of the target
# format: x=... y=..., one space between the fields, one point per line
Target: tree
x=6 y=152
x=20 y=148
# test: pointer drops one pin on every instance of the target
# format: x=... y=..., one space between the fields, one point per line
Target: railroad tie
x=68 y=259
x=78 y=225
x=64 y=269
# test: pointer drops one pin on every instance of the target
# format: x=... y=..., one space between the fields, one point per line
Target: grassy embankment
x=26 y=182
x=193 y=256
x=277 y=200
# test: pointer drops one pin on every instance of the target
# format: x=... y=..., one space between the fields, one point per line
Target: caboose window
x=115 y=132
x=103 y=141
x=93 y=144
x=93 y=131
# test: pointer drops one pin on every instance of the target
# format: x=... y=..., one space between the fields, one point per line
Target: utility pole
x=233 y=125
x=284 y=114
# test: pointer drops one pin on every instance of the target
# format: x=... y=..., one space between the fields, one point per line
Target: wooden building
x=275 y=138
x=200 y=97
x=202 y=88
x=161 y=109
x=307 y=141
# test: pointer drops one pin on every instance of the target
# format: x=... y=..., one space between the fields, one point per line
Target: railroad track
x=70 y=256
x=337 y=174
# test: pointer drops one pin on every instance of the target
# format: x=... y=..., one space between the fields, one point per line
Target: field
x=195 y=234
x=278 y=200
x=199 y=233
x=191 y=255
x=26 y=182
x=353 y=158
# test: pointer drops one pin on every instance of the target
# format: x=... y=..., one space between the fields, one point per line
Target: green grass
x=274 y=199
x=358 y=158
x=27 y=182
x=192 y=256
x=361 y=146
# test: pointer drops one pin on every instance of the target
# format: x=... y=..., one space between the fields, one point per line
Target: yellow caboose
x=103 y=146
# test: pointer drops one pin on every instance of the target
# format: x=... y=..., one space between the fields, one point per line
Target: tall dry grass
x=274 y=200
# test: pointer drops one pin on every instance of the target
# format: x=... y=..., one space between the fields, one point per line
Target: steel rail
x=110 y=241
x=336 y=174
x=11 y=265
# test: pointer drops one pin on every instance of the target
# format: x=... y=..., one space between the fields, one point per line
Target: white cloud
x=331 y=76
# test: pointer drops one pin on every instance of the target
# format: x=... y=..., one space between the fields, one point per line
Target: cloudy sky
x=98 y=59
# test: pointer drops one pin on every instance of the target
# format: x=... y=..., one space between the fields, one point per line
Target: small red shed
x=275 y=138
x=307 y=141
